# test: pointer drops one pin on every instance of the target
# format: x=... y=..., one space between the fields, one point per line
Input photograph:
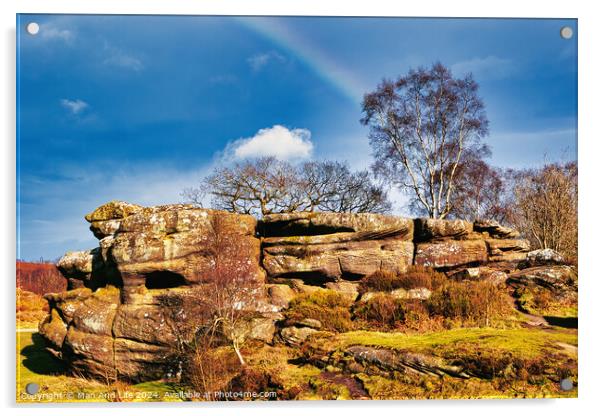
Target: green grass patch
x=522 y=341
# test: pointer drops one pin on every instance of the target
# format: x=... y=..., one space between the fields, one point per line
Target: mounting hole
x=566 y=384
x=566 y=32
x=33 y=28
x=32 y=388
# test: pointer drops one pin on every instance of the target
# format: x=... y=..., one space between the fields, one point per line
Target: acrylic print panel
x=295 y=208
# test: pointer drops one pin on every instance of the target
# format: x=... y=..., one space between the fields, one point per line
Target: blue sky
x=139 y=107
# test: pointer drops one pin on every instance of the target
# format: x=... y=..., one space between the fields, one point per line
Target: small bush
x=327 y=306
x=470 y=302
x=252 y=380
x=382 y=309
x=379 y=281
x=420 y=276
x=414 y=277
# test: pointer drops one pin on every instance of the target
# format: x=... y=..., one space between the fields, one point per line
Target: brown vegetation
x=471 y=302
x=414 y=277
x=40 y=278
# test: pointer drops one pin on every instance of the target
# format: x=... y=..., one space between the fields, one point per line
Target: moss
x=329 y=307
x=526 y=342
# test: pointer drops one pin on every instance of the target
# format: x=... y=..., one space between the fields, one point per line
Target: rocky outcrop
x=127 y=296
x=331 y=247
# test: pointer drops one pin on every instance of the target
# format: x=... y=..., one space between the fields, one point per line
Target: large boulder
x=451 y=253
x=329 y=247
x=507 y=249
x=495 y=230
x=166 y=246
x=319 y=223
x=318 y=264
x=542 y=257
x=429 y=229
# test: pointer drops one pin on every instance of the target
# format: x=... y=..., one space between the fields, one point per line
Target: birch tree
x=420 y=126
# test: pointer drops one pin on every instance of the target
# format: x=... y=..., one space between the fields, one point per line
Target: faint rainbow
x=321 y=63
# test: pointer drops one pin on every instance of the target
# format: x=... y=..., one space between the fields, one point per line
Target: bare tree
x=420 y=126
x=545 y=206
x=480 y=191
x=231 y=287
x=266 y=185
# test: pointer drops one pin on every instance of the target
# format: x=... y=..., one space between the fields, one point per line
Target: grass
x=522 y=341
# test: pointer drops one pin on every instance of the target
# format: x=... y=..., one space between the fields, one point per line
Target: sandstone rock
x=167 y=244
x=542 y=257
x=481 y=273
x=558 y=278
x=137 y=296
x=322 y=263
x=310 y=323
x=347 y=289
x=507 y=249
x=446 y=254
x=421 y=293
x=428 y=229
x=87 y=269
x=280 y=295
x=113 y=210
x=404 y=361
x=54 y=330
x=139 y=361
x=494 y=229
x=294 y=336
x=89 y=353
x=317 y=223
x=263 y=328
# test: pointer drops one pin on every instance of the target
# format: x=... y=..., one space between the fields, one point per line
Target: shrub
x=470 y=302
x=252 y=380
x=327 y=306
x=382 y=309
x=40 y=278
x=414 y=277
x=421 y=276
x=379 y=281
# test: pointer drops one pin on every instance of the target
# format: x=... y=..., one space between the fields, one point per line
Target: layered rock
x=331 y=247
x=127 y=297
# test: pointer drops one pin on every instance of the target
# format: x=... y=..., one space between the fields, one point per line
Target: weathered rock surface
x=560 y=278
x=452 y=253
x=495 y=230
x=507 y=249
x=430 y=229
x=294 y=336
x=330 y=247
x=403 y=361
x=541 y=257
x=126 y=296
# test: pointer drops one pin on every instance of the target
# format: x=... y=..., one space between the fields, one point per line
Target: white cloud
x=490 y=67
x=52 y=32
x=276 y=141
x=258 y=61
x=74 y=106
x=119 y=58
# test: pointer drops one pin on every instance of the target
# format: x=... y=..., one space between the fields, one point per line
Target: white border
x=589 y=186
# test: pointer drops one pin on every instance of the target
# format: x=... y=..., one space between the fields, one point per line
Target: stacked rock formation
x=111 y=322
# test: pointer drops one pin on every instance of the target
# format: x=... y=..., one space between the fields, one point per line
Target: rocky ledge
x=112 y=320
